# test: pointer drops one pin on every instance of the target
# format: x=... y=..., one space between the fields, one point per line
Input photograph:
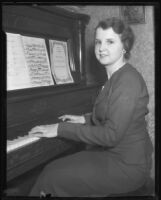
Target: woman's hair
x=119 y=27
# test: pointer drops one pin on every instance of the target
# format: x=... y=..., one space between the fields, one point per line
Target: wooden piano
x=29 y=107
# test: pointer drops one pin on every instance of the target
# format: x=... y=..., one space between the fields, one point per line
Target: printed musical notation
x=60 y=62
x=17 y=71
x=37 y=61
x=27 y=62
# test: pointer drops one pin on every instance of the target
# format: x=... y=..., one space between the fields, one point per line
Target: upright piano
x=29 y=107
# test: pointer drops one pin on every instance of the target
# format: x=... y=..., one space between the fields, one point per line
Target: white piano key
x=20 y=142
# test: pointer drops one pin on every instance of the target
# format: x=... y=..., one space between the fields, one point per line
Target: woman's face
x=108 y=46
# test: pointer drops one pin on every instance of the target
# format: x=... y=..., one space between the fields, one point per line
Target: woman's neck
x=110 y=69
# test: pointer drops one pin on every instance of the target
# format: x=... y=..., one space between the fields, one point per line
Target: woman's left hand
x=73 y=118
x=48 y=131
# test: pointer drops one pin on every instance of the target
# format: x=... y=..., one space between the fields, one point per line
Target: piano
x=29 y=107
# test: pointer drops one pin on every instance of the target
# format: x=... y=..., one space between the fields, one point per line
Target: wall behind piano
x=142 y=55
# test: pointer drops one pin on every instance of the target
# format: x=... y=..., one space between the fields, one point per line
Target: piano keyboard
x=20 y=142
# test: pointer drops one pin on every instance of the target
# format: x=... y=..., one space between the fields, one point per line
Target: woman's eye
x=109 y=42
x=97 y=42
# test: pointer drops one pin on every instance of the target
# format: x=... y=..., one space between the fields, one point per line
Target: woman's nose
x=102 y=46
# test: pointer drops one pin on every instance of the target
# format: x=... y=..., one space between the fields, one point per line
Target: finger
x=37 y=134
x=32 y=132
x=34 y=129
x=65 y=117
x=37 y=129
x=72 y=121
x=62 y=116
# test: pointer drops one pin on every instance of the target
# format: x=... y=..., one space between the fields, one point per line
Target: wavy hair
x=120 y=27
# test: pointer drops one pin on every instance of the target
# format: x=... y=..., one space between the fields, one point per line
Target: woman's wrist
x=83 y=120
x=57 y=126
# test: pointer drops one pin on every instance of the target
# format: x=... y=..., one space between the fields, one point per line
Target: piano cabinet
x=26 y=111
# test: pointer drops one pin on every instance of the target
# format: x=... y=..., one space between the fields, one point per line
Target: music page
x=17 y=71
x=37 y=61
x=60 y=62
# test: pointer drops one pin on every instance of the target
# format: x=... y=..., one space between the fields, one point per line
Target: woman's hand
x=48 y=131
x=73 y=118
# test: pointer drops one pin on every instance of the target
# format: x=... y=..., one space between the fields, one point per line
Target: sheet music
x=60 y=62
x=17 y=71
x=37 y=61
x=27 y=62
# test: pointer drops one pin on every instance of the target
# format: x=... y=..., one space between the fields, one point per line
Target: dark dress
x=120 y=159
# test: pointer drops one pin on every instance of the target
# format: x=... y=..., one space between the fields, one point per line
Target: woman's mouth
x=103 y=55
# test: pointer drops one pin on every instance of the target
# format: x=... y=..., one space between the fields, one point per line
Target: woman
x=117 y=126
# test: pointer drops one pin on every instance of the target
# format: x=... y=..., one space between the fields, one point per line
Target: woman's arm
x=51 y=130
x=88 y=119
x=122 y=105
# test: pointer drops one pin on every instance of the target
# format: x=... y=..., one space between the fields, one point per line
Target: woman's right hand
x=73 y=118
x=48 y=131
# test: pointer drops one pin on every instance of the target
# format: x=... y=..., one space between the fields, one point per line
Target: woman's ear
x=124 y=51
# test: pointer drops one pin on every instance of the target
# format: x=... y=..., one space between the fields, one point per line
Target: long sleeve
x=88 y=118
x=121 y=109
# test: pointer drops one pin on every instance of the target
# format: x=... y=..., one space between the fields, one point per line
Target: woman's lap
x=83 y=174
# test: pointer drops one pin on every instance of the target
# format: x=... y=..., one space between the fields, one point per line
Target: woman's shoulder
x=129 y=72
x=129 y=77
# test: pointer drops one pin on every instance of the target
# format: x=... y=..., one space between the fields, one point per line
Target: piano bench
x=146 y=190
